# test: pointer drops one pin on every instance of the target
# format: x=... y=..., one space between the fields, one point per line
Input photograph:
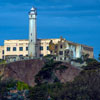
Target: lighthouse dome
x=33 y=11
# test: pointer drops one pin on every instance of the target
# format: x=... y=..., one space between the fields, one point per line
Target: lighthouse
x=32 y=33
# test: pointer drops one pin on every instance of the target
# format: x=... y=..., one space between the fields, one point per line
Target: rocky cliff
x=27 y=70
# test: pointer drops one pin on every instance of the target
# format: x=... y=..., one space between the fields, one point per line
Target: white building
x=40 y=47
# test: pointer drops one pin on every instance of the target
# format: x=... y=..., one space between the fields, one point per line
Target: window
x=47 y=47
x=8 y=48
x=20 y=48
x=60 y=52
x=2 y=51
x=56 y=47
x=20 y=55
x=41 y=47
x=64 y=58
x=61 y=46
x=60 y=58
x=14 y=48
x=26 y=48
x=54 y=58
x=41 y=55
x=3 y=57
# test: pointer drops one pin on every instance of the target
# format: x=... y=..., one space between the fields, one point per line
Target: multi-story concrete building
x=62 y=48
x=65 y=50
x=41 y=47
x=20 y=48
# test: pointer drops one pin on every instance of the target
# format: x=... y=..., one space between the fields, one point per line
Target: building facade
x=63 y=49
x=66 y=50
x=34 y=47
x=20 y=48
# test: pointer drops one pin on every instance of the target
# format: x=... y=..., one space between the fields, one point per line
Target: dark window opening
x=41 y=47
x=61 y=46
x=14 y=48
x=47 y=47
x=60 y=58
x=2 y=51
x=56 y=47
x=60 y=52
x=65 y=58
x=26 y=48
x=20 y=48
x=8 y=48
x=20 y=55
x=41 y=55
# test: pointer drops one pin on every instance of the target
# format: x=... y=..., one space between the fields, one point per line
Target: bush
x=92 y=66
x=46 y=72
x=38 y=93
x=43 y=91
x=5 y=87
x=2 y=61
x=22 y=86
x=78 y=60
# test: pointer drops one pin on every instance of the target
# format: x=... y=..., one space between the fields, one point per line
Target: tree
x=38 y=93
x=99 y=57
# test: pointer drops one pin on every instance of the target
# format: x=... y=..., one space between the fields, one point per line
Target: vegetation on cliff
x=86 y=86
x=2 y=62
x=47 y=72
x=11 y=89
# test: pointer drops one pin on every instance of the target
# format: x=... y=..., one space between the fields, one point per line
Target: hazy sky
x=75 y=20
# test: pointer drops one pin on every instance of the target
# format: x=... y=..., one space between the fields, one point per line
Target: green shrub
x=46 y=72
x=22 y=86
x=2 y=61
x=78 y=60
x=42 y=92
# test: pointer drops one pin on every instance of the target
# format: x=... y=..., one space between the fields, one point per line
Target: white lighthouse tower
x=32 y=33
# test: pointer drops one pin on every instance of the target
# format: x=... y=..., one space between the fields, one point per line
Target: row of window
x=41 y=48
x=21 y=48
x=15 y=49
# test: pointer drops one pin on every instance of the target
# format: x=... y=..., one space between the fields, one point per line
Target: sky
x=75 y=20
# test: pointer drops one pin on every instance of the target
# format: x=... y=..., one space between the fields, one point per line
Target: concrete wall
x=17 y=44
x=87 y=50
x=78 y=51
x=45 y=43
x=76 y=48
x=1 y=52
x=24 y=43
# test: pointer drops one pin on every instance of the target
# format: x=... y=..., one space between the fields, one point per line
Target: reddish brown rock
x=69 y=74
x=26 y=70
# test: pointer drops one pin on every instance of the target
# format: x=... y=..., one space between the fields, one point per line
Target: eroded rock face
x=69 y=74
x=26 y=70
x=23 y=70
